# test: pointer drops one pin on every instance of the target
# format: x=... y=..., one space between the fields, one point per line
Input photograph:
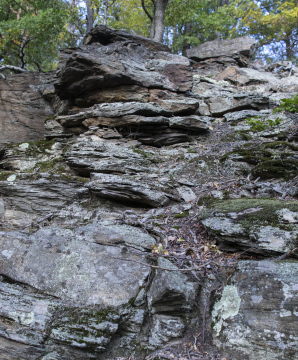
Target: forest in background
x=33 y=31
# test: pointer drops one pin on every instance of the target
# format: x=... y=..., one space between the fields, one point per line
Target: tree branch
x=159 y=267
x=146 y=11
x=15 y=69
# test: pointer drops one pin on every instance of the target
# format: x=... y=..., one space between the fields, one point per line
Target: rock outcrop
x=158 y=216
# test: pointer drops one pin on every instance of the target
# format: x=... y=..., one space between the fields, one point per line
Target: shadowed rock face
x=22 y=108
x=105 y=36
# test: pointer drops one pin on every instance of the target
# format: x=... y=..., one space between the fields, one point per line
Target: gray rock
x=186 y=193
x=113 y=110
x=256 y=316
x=191 y=123
x=125 y=93
x=212 y=49
x=2 y=209
x=76 y=288
x=126 y=121
x=101 y=156
x=37 y=196
x=262 y=226
x=171 y=292
x=126 y=189
x=95 y=67
x=177 y=104
x=165 y=328
x=116 y=235
x=105 y=36
x=224 y=104
x=242 y=115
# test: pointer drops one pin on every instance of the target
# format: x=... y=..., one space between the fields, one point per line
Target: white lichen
x=227 y=307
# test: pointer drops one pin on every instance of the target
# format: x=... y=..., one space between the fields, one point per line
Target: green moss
x=181 y=215
x=52 y=117
x=280 y=144
x=5 y=174
x=50 y=165
x=279 y=168
x=265 y=215
x=147 y=156
x=251 y=156
x=272 y=159
x=35 y=147
x=141 y=152
x=191 y=150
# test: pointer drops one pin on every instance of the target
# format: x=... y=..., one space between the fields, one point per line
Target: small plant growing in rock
x=257 y=124
x=290 y=104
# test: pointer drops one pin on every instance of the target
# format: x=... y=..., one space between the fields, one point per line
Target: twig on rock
x=159 y=267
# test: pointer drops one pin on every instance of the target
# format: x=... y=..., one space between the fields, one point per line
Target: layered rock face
x=158 y=216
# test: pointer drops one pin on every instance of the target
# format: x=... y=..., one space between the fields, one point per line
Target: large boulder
x=85 y=288
x=239 y=48
x=97 y=67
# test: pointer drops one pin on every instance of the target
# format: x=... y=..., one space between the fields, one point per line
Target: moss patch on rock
x=277 y=159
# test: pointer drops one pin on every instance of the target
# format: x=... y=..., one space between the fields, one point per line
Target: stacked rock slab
x=134 y=136
x=130 y=81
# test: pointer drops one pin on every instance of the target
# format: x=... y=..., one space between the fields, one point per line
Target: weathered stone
x=164 y=139
x=278 y=159
x=116 y=235
x=176 y=68
x=27 y=155
x=171 y=292
x=31 y=197
x=113 y=110
x=126 y=121
x=191 y=123
x=126 y=189
x=177 y=104
x=22 y=108
x=105 y=36
x=87 y=157
x=242 y=115
x=254 y=224
x=221 y=105
x=212 y=49
x=165 y=328
x=85 y=285
x=245 y=76
x=96 y=67
x=256 y=316
x=124 y=93
x=186 y=193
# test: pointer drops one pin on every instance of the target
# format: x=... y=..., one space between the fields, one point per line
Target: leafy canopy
x=31 y=32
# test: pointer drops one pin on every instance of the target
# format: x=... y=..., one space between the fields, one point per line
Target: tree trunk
x=185 y=45
x=289 y=49
x=157 y=19
x=90 y=15
x=157 y=26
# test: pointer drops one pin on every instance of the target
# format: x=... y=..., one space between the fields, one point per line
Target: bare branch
x=146 y=11
x=15 y=69
x=159 y=267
